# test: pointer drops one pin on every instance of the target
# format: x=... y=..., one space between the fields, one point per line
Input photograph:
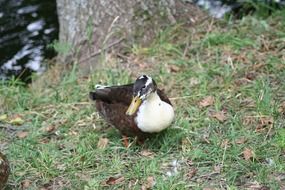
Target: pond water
x=27 y=27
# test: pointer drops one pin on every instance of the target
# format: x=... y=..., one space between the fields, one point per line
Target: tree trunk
x=90 y=27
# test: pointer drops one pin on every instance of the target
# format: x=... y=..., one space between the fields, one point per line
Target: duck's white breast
x=154 y=115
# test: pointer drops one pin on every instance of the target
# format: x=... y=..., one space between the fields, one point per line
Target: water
x=218 y=8
x=26 y=29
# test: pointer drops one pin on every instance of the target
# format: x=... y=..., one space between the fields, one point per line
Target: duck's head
x=143 y=88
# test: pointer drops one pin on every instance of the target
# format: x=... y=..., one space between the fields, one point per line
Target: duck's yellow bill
x=135 y=104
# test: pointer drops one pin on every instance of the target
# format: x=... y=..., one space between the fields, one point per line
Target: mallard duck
x=4 y=170
x=136 y=110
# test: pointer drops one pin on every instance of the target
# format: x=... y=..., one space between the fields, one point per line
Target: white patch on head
x=98 y=86
x=154 y=115
x=149 y=81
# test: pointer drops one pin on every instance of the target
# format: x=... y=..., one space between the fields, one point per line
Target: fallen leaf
x=265 y=121
x=249 y=120
x=220 y=115
x=146 y=153
x=44 y=140
x=240 y=140
x=114 y=180
x=102 y=143
x=192 y=172
x=281 y=108
x=207 y=101
x=49 y=128
x=255 y=186
x=174 y=68
x=251 y=75
x=248 y=153
x=150 y=182
x=22 y=134
x=73 y=133
x=25 y=184
x=3 y=117
x=17 y=120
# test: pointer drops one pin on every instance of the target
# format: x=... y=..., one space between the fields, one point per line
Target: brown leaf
x=255 y=186
x=102 y=143
x=192 y=172
x=25 y=184
x=22 y=134
x=44 y=140
x=240 y=140
x=248 y=153
x=220 y=115
x=146 y=153
x=73 y=133
x=150 y=182
x=49 y=128
x=207 y=101
x=281 y=108
x=174 y=68
x=265 y=121
x=114 y=180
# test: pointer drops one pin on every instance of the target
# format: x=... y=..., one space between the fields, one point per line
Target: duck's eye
x=143 y=87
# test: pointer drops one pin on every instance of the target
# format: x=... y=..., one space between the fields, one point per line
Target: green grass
x=243 y=70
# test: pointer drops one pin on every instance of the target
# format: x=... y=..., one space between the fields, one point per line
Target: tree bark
x=91 y=27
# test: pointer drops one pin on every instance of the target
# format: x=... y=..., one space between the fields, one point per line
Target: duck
x=4 y=170
x=139 y=109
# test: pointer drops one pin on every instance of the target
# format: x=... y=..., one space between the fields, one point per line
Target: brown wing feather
x=163 y=96
x=115 y=114
x=112 y=104
x=120 y=94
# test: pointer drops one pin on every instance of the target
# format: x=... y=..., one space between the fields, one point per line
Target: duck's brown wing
x=163 y=96
x=112 y=104
x=113 y=94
